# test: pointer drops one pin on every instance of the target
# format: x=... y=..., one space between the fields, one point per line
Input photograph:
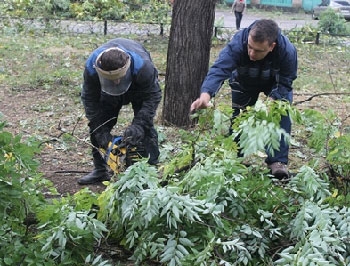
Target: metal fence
x=42 y=26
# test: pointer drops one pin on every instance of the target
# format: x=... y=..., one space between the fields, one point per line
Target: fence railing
x=118 y=28
x=43 y=25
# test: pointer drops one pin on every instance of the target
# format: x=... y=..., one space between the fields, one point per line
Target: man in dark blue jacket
x=257 y=59
x=118 y=73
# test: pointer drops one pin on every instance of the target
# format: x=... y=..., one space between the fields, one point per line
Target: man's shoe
x=97 y=175
x=279 y=170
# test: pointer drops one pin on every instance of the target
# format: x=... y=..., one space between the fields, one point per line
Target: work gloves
x=133 y=135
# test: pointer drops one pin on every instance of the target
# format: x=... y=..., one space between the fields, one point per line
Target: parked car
x=341 y=6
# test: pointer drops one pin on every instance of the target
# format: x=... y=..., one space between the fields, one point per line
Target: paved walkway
x=289 y=21
x=286 y=21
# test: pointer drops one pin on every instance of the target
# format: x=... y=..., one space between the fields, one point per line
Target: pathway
x=288 y=21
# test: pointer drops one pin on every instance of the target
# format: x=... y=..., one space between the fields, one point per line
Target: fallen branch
x=71 y=172
x=321 y=94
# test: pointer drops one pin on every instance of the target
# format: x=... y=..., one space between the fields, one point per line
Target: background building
x=305 y=5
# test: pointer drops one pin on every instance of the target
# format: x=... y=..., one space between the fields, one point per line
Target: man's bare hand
x=201 y=103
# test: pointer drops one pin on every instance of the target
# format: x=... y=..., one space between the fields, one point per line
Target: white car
x=341 y=6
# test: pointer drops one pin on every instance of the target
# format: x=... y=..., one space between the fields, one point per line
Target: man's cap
x=108 y=77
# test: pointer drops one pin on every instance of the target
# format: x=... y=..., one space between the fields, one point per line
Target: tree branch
x=321 y=94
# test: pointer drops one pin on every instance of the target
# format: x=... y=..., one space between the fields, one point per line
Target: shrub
x=332 y=22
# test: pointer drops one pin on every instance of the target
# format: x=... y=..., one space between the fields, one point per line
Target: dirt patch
x=63 y=165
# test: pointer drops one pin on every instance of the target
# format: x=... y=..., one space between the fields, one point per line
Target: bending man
x=257 y=59
x=118 y=73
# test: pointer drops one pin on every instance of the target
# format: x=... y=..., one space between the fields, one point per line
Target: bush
x=35 y=231
x=332 y=22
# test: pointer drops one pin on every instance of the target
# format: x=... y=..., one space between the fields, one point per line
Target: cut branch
x=321 y=94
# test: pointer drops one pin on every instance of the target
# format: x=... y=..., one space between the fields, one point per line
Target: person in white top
x=238 y=7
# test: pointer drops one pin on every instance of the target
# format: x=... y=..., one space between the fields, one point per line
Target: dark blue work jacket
x=273 y=75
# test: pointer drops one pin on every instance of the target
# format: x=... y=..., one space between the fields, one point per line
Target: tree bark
x=188 y=58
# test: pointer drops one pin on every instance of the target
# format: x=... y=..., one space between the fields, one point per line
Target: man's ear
x=272 y=46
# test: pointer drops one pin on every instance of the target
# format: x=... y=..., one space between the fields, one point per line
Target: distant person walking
x=238 y=7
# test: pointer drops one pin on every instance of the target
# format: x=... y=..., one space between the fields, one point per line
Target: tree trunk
x=188 y=58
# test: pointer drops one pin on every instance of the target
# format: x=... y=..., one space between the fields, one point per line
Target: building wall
x=306 y=5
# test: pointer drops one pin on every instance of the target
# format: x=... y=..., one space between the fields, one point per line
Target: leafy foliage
x=323 y=239
x=90 y=10
x=327 y=136
x=152 y=11
x=219 y=212
x=20 y=194
x=34 y=232
x=306 y=33
x=258 y=128
x=331 y=22
x=134 y=10
x=67 y=235
x=215 y=211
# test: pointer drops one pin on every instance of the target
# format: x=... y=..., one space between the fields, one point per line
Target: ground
x=57 y=118
x=59 y=164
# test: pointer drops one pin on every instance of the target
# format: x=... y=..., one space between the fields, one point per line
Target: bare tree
x=188 y=57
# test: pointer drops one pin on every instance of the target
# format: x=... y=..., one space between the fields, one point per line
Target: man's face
x=258 y=50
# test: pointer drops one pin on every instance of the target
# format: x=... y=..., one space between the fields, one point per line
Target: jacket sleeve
x=288 y=70
x=222 y=69
x=233 y=6
x=148 y=91
x=90 y=94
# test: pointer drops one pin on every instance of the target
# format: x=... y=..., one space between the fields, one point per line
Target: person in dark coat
x=120 y=72
x=257 y=59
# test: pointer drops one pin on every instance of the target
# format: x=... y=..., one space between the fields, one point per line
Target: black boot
x=99 y=174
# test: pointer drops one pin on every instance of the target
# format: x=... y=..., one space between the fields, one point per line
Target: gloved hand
x=133 y=135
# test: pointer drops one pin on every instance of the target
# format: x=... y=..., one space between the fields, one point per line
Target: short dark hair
x=264 y=30
x=113 y=59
